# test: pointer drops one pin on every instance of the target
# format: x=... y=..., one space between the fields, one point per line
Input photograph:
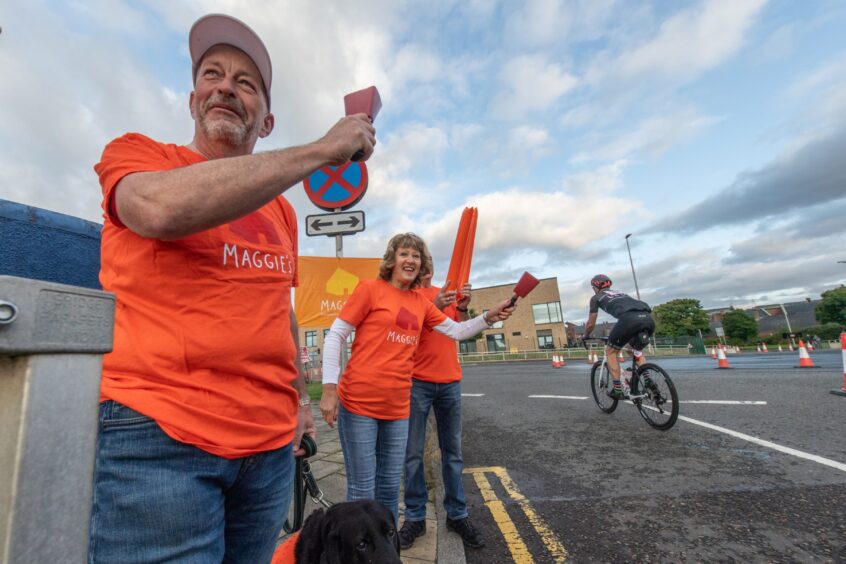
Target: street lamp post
x=787 y=319
x=632 y=263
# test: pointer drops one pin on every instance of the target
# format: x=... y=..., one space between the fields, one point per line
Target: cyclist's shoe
x=469 y=534
x=616 y=393
x=411 y=530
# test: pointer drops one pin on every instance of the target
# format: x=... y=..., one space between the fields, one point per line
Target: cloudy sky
x=713 y=131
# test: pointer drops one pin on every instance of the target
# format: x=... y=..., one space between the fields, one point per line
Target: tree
x=832 y=308
x=683 y=316
x=740 y=326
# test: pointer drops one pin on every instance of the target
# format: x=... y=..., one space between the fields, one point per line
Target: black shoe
x=616 y=393
x=411 y=530
x=469 y=534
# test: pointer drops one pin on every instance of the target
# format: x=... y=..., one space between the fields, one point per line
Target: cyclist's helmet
x=600 y=282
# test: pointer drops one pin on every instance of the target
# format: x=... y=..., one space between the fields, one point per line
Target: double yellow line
x=519 y=551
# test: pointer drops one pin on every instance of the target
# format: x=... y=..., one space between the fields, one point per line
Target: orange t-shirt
x=436 y=360
x=388 y=322
x=202 y=339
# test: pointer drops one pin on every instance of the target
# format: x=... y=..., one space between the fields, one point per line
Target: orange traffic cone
x=779 y=348
x=843 y=352
x=804 y=358
x=765 y=349
x=810 y=346
x=714 y=353
x=722 y=361
x=590 y=358
x=759 y=348
x=554 y=361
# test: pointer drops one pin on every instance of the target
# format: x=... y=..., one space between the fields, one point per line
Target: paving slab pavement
x=437 y=545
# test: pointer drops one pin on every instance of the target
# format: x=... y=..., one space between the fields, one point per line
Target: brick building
x=536 y=324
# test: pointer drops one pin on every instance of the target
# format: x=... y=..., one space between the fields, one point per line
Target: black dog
x=349 y=533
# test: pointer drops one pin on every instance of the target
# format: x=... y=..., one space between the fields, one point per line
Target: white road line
x=787 y=450
x=472 y=395
x=725 y=402
x=561 y=397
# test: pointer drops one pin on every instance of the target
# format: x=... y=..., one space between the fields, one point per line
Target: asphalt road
x=566 y=478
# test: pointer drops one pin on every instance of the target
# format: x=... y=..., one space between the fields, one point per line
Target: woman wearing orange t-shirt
x=371 y=403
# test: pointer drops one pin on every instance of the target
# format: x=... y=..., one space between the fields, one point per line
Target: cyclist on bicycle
x=634 y=326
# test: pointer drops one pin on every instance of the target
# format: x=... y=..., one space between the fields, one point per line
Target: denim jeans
x=374 y=450
x=445 y=399
x=159 y=500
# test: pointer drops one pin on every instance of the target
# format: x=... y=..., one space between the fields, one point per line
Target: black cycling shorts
x=633 y=328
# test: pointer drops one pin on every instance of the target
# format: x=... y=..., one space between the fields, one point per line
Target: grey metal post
x=632 y=263
x=52 y=338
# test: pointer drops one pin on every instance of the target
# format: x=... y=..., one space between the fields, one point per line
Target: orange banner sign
x=325 y=285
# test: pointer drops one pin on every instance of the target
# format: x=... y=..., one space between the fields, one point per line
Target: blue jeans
x=159 y=500
x=373 y=453
x=445 y=399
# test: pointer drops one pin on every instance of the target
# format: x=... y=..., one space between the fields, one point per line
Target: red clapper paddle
x=365 y=101
x=526 y=284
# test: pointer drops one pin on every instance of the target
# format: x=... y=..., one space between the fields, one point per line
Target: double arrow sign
x=343 y=223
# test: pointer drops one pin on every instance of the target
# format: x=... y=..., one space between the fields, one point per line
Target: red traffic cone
x=810 y=346
x=804 y=358
x=759 y=348
x=843 y=352
x=722 y=361
x=764 y=348
x=714 y=353
x=590 y=358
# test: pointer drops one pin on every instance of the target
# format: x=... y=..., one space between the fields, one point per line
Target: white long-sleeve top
x=340 y=330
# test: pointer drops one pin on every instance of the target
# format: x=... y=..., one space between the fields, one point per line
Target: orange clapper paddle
x=526 y=284
x=365 y=101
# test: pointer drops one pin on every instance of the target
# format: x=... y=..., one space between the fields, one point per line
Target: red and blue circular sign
x=337 y=187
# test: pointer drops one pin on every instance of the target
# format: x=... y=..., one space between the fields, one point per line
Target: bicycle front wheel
x=600 y=383
x=660 y=406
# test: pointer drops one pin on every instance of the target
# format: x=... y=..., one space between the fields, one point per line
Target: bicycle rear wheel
x=660 y=406
x=600 y=383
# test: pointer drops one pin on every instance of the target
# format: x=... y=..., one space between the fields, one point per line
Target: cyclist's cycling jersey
x=616 y=303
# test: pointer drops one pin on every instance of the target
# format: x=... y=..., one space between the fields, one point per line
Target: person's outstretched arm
x=335 y=339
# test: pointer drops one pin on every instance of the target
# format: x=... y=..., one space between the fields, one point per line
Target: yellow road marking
x=518 y=548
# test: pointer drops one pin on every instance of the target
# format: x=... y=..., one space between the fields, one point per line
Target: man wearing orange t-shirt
x=436 y=384
x=203 y=399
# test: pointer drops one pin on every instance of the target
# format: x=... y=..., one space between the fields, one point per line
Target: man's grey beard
x=233 y=134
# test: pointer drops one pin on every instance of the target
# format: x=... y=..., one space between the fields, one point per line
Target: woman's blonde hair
x=411 y=241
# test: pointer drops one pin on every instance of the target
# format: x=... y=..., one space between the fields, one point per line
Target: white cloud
x=692 y=41
x=529 y=83
x=651 y=137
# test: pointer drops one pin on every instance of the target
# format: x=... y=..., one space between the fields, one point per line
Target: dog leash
x=304 y=483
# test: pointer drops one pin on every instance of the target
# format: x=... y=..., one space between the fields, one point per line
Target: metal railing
x=572 y=353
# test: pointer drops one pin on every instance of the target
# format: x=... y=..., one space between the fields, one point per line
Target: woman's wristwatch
x=305 y=401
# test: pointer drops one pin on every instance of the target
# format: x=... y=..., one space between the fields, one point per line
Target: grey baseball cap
x=215 y=29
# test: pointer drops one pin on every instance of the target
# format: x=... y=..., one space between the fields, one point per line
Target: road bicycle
x=648 y=387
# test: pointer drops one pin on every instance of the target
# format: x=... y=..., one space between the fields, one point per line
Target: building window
x=497 y=325
x=325 y=332
x=496 y=342
x=545 y=339
x=311 y=338
x=467 y=346
x=547 y=313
